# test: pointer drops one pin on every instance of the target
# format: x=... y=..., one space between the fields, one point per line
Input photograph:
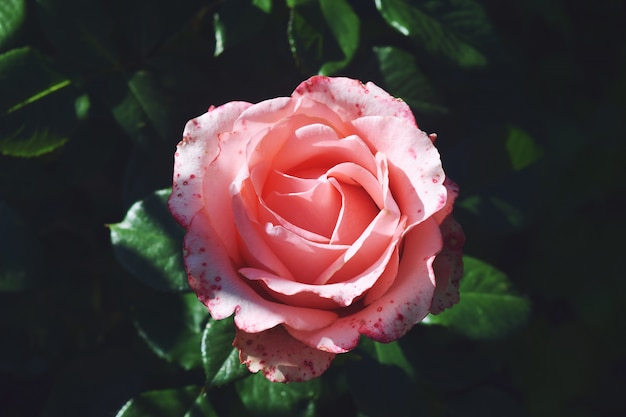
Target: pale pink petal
x=196 y=154
x=280 y=357
x=415 y=173
x=270 y=112
x=351 y=99
x=214 y=278
x=403 y=305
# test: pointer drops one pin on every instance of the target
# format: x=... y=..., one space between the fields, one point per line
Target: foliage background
x=528 y=99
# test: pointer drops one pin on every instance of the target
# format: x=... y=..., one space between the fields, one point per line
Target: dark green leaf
x=344 y=25
x=238 y=21
x=404 y=79
x=148 y=24
x=488 y=308
x=449 y=29
x=388 y=354
x=523 y=150
x=319 y=39
x=265 y=5
x=80 y=29
x=12 y=13
x=39 y=107
x=142 y=108
x=20 y=253
x=264 y=398
x=163 y=403
x=148 y=243
x=172 y=326
x=201 y=407
x=220 y=358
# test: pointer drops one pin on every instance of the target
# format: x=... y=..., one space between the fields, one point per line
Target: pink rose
x=315 y=219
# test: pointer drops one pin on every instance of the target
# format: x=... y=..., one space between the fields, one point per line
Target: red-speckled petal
x=448 y=266
x=215 y=280
x=453 y=191
x=415 y=173
x=195 y=159
x=351 y=99
x=403 y=305
x=280 y=357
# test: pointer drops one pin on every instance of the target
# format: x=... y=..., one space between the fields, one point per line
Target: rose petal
x=215 y=280
x=415 y=172
x=448 y=266
x=324 y=150
x=351 y=99
x=329 y=296
x=315 y=210
x=196 y=154
x=276 y=248
x=452 y=193
x=404 y=304
x=280 y=357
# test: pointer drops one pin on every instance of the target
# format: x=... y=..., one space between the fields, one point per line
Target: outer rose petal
x=199 y=147
x=415 y=171
x=448 y=264
x=351 y=99
x=279 y=356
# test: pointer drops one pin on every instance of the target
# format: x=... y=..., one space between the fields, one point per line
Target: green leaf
x=323 y=35
x=201 y=407
x=264 y=398
x=162 y=403
x=488 y=309
x=172 y=326
x=87 y=31
x=20 y=253
x=148 y=24
x=404 y=79
x=220 y=358
x=12 y=14
x=148 y=243
x=452 y=29
x=265 y=5
x=388 y=354
x=39 y=107
x=344 y=25
x=238 y=21
x=142 y=109
x=522 y=149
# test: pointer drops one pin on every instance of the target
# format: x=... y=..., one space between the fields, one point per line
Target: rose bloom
x=315 y=219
